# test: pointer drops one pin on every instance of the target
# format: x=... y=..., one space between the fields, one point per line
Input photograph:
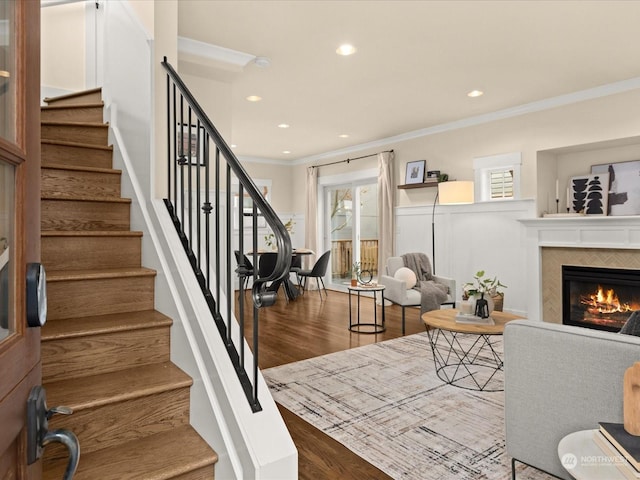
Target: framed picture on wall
x=415 y=172
x=247 y=204
x=190 y=146
x=589 y=194
x=624 y=186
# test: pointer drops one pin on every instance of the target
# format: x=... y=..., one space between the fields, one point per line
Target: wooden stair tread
x=59 y=123
x=75 y=105
x=157 y=457
x=95 y=390
x=67 y=275
x=76 y=144
x=101 y=324
x=73 y=95
x=84 y=198
x=90 y=233
x=75 y=168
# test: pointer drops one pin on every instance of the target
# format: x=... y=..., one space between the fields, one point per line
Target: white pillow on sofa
x=406 y=275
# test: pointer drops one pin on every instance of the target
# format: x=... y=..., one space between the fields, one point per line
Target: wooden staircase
x=105 y=350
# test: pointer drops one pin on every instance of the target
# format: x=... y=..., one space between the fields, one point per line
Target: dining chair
x=266 y=266
x=318 y=271
x=248 y=265
x=296 y=266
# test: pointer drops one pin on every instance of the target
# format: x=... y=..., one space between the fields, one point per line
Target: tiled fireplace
x=585 y=242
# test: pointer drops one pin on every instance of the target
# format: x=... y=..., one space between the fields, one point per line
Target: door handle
x=39 y=436
x=69 y=440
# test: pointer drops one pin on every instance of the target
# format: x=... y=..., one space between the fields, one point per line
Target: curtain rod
x=350 y=159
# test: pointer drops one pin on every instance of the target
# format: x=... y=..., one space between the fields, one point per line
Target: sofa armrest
x=395 y=290
x=560 y=379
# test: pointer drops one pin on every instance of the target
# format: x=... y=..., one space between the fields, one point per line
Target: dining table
x=291 y=290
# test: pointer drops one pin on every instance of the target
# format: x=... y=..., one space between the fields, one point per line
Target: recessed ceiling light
x=343 y=135
x=475 y=93
x=284 y=125
x=262 y=62
x=286 y=151
x=254 y=98
x=233 y=145
x=346 y=49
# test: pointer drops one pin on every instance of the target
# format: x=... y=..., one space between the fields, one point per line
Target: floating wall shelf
x=417 y=185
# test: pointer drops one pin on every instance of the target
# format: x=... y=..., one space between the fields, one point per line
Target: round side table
x=366 y=327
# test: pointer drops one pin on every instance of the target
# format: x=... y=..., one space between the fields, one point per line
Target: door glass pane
x=7 y=71
x=7 y=214
x=353 y=220
x=369 y=228
x=340 y=204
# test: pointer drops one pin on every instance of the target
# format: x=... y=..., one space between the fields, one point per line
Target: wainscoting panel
x=482 y=236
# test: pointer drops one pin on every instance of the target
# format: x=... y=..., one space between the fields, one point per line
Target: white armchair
x=397 y=292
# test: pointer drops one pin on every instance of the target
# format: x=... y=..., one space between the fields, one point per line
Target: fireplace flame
x=604 y=301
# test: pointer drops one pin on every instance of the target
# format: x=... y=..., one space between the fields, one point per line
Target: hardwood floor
x=308 y=327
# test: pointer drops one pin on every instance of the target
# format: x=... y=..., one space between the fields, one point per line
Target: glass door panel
x=353 y=224
x=340 y=204
x=368 y=234
x=8 y=71
x=7 y=275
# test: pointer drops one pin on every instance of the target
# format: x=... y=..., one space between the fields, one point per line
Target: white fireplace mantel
x=576 y=232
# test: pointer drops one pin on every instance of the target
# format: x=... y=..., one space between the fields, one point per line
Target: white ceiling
x=415 y=63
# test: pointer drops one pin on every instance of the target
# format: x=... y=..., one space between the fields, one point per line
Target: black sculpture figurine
x=482 y=307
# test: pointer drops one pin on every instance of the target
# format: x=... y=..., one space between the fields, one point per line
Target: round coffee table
x=464 y=354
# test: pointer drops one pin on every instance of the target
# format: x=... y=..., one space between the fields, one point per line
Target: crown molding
x=214 y=52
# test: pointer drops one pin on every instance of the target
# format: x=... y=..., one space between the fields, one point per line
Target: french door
x=351 y=223
x=19 y=225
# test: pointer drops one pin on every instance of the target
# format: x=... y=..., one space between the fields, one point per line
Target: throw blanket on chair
x=432 y=294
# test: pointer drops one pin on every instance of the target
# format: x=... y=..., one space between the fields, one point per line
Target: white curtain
x=386 y=230
x=311 y=213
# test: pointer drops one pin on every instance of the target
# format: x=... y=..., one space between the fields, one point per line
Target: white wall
x=468 y=238
x=62 y=68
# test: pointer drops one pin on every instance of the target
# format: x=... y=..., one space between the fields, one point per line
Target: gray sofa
x=560 y=379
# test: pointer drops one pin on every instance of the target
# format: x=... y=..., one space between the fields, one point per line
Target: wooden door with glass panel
x=19 y=226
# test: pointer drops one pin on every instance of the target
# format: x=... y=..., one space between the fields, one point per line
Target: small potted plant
x=355 y=273
x=269 y=239
x=486 y=287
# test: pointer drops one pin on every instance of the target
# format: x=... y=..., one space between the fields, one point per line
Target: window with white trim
x=497 y=177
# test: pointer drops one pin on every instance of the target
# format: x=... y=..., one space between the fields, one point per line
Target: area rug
x=386 y=404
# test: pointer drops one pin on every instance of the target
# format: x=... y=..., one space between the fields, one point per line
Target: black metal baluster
x=241 y=246
x=198 y=216
x=182 y=161
x=255 y=312
x=189 y=183
x=230 y=225
x=217 y=255
x=217 y=174
x=174 y=158
x=168 y=136
x=207 y=209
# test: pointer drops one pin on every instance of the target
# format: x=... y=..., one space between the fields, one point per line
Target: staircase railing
x=205 y=220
